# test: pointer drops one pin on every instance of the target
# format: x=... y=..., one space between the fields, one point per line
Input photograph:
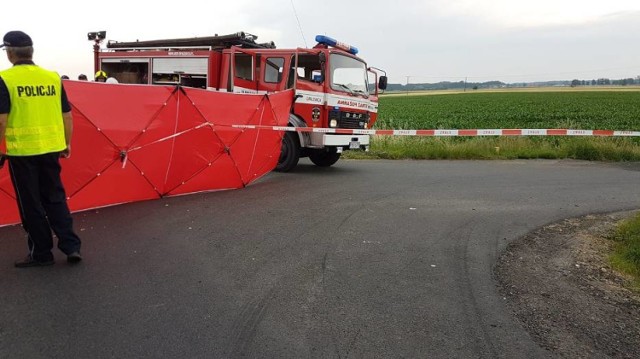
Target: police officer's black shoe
x=74 y=257
x=30 y=262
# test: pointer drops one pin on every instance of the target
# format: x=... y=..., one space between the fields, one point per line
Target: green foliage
x=626 y=256
x=611 y=110
x=582 y=148
x=615 y=110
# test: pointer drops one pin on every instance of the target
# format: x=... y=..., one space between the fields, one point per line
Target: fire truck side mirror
x=382 y=83
x=323 y=61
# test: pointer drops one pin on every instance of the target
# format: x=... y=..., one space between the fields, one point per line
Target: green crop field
x=575 y=110
x=604 y=110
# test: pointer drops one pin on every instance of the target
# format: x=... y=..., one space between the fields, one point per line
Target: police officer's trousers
x=43 y=204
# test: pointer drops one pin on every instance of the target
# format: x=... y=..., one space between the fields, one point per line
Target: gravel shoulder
x=559 y=285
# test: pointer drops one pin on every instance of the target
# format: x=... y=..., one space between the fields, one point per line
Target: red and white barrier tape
x=451 y=133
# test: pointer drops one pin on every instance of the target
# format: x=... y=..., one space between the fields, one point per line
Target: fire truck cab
x=333 y=87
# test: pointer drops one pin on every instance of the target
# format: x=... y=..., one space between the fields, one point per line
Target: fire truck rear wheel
x=325 y=157
x=290 y=152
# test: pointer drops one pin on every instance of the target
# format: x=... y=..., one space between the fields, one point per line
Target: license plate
x=354 y=145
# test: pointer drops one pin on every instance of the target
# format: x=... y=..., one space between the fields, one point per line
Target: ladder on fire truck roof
x=240 y=39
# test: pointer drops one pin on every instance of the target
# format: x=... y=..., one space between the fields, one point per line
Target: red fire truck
x=333 y=87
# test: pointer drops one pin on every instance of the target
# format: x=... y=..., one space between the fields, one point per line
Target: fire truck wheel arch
x=290 y=153
x=303 y=138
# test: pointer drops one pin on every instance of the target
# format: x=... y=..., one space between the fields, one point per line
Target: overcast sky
x=424 y=41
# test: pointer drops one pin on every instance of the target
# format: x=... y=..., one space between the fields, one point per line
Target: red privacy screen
x=136 y=142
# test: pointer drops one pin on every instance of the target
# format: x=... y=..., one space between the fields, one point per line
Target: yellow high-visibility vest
x=35 y=124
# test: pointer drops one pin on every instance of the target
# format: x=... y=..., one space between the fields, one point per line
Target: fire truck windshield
x=348 y=75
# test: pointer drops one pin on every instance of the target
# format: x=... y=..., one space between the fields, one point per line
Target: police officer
x=36 y=122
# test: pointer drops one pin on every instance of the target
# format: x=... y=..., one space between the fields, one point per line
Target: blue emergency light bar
x=326 y=40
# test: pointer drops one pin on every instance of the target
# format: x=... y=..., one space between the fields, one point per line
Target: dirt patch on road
x=559 y=284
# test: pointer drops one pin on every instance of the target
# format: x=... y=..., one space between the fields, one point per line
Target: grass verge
x=581 y=148
x=626 y=255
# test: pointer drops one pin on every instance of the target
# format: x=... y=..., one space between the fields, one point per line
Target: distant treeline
x=605 y=81
x=446 y=85
x=459 y=85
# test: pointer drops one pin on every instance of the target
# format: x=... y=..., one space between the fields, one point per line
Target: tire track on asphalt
x=246 y=327
x=253 y=312
x=472 y=307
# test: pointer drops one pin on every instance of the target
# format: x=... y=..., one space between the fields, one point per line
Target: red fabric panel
x=228 y=109
x=113 y=186
x=222 y=174
x=256 y=149
x=8 y=207
x=192 y=153
x=153 y=161
x=91 y=153
x=121 y=112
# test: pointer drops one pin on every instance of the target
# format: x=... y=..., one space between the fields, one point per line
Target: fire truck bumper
x=344 y=142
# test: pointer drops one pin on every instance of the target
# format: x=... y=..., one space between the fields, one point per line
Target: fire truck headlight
x=333 y=123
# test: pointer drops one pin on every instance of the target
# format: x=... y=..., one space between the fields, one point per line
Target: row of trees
x=445 y=85
x=498 y=84
x=605 y=81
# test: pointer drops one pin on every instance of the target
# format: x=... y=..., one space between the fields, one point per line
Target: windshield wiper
x=363 y=93
x=349 y=89
x=353 y=91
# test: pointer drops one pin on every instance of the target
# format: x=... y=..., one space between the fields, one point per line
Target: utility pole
x=465 y=84
x=408 y=85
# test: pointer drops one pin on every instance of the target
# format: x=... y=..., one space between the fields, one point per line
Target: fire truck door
x=244 y=73
x=271 y=73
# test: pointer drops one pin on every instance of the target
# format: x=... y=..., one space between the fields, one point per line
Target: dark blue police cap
x=16 y=39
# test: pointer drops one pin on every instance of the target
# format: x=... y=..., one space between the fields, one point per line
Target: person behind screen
x=101 y=76
x=82 y=77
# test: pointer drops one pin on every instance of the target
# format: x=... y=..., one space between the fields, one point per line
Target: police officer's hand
x=66 y=153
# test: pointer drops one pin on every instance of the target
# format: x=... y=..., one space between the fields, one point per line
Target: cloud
x=432 y=39
x=533 y=13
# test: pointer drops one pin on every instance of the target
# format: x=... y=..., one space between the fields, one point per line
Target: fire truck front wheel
x=325 y=157
x=290 y=152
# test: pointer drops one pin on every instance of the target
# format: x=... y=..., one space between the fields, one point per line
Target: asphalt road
x=367 y=259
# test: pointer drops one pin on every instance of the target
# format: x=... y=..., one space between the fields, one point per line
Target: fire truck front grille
x=353 y=120
x=351 y=123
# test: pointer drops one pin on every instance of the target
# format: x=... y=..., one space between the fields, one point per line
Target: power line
x=299 y=25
